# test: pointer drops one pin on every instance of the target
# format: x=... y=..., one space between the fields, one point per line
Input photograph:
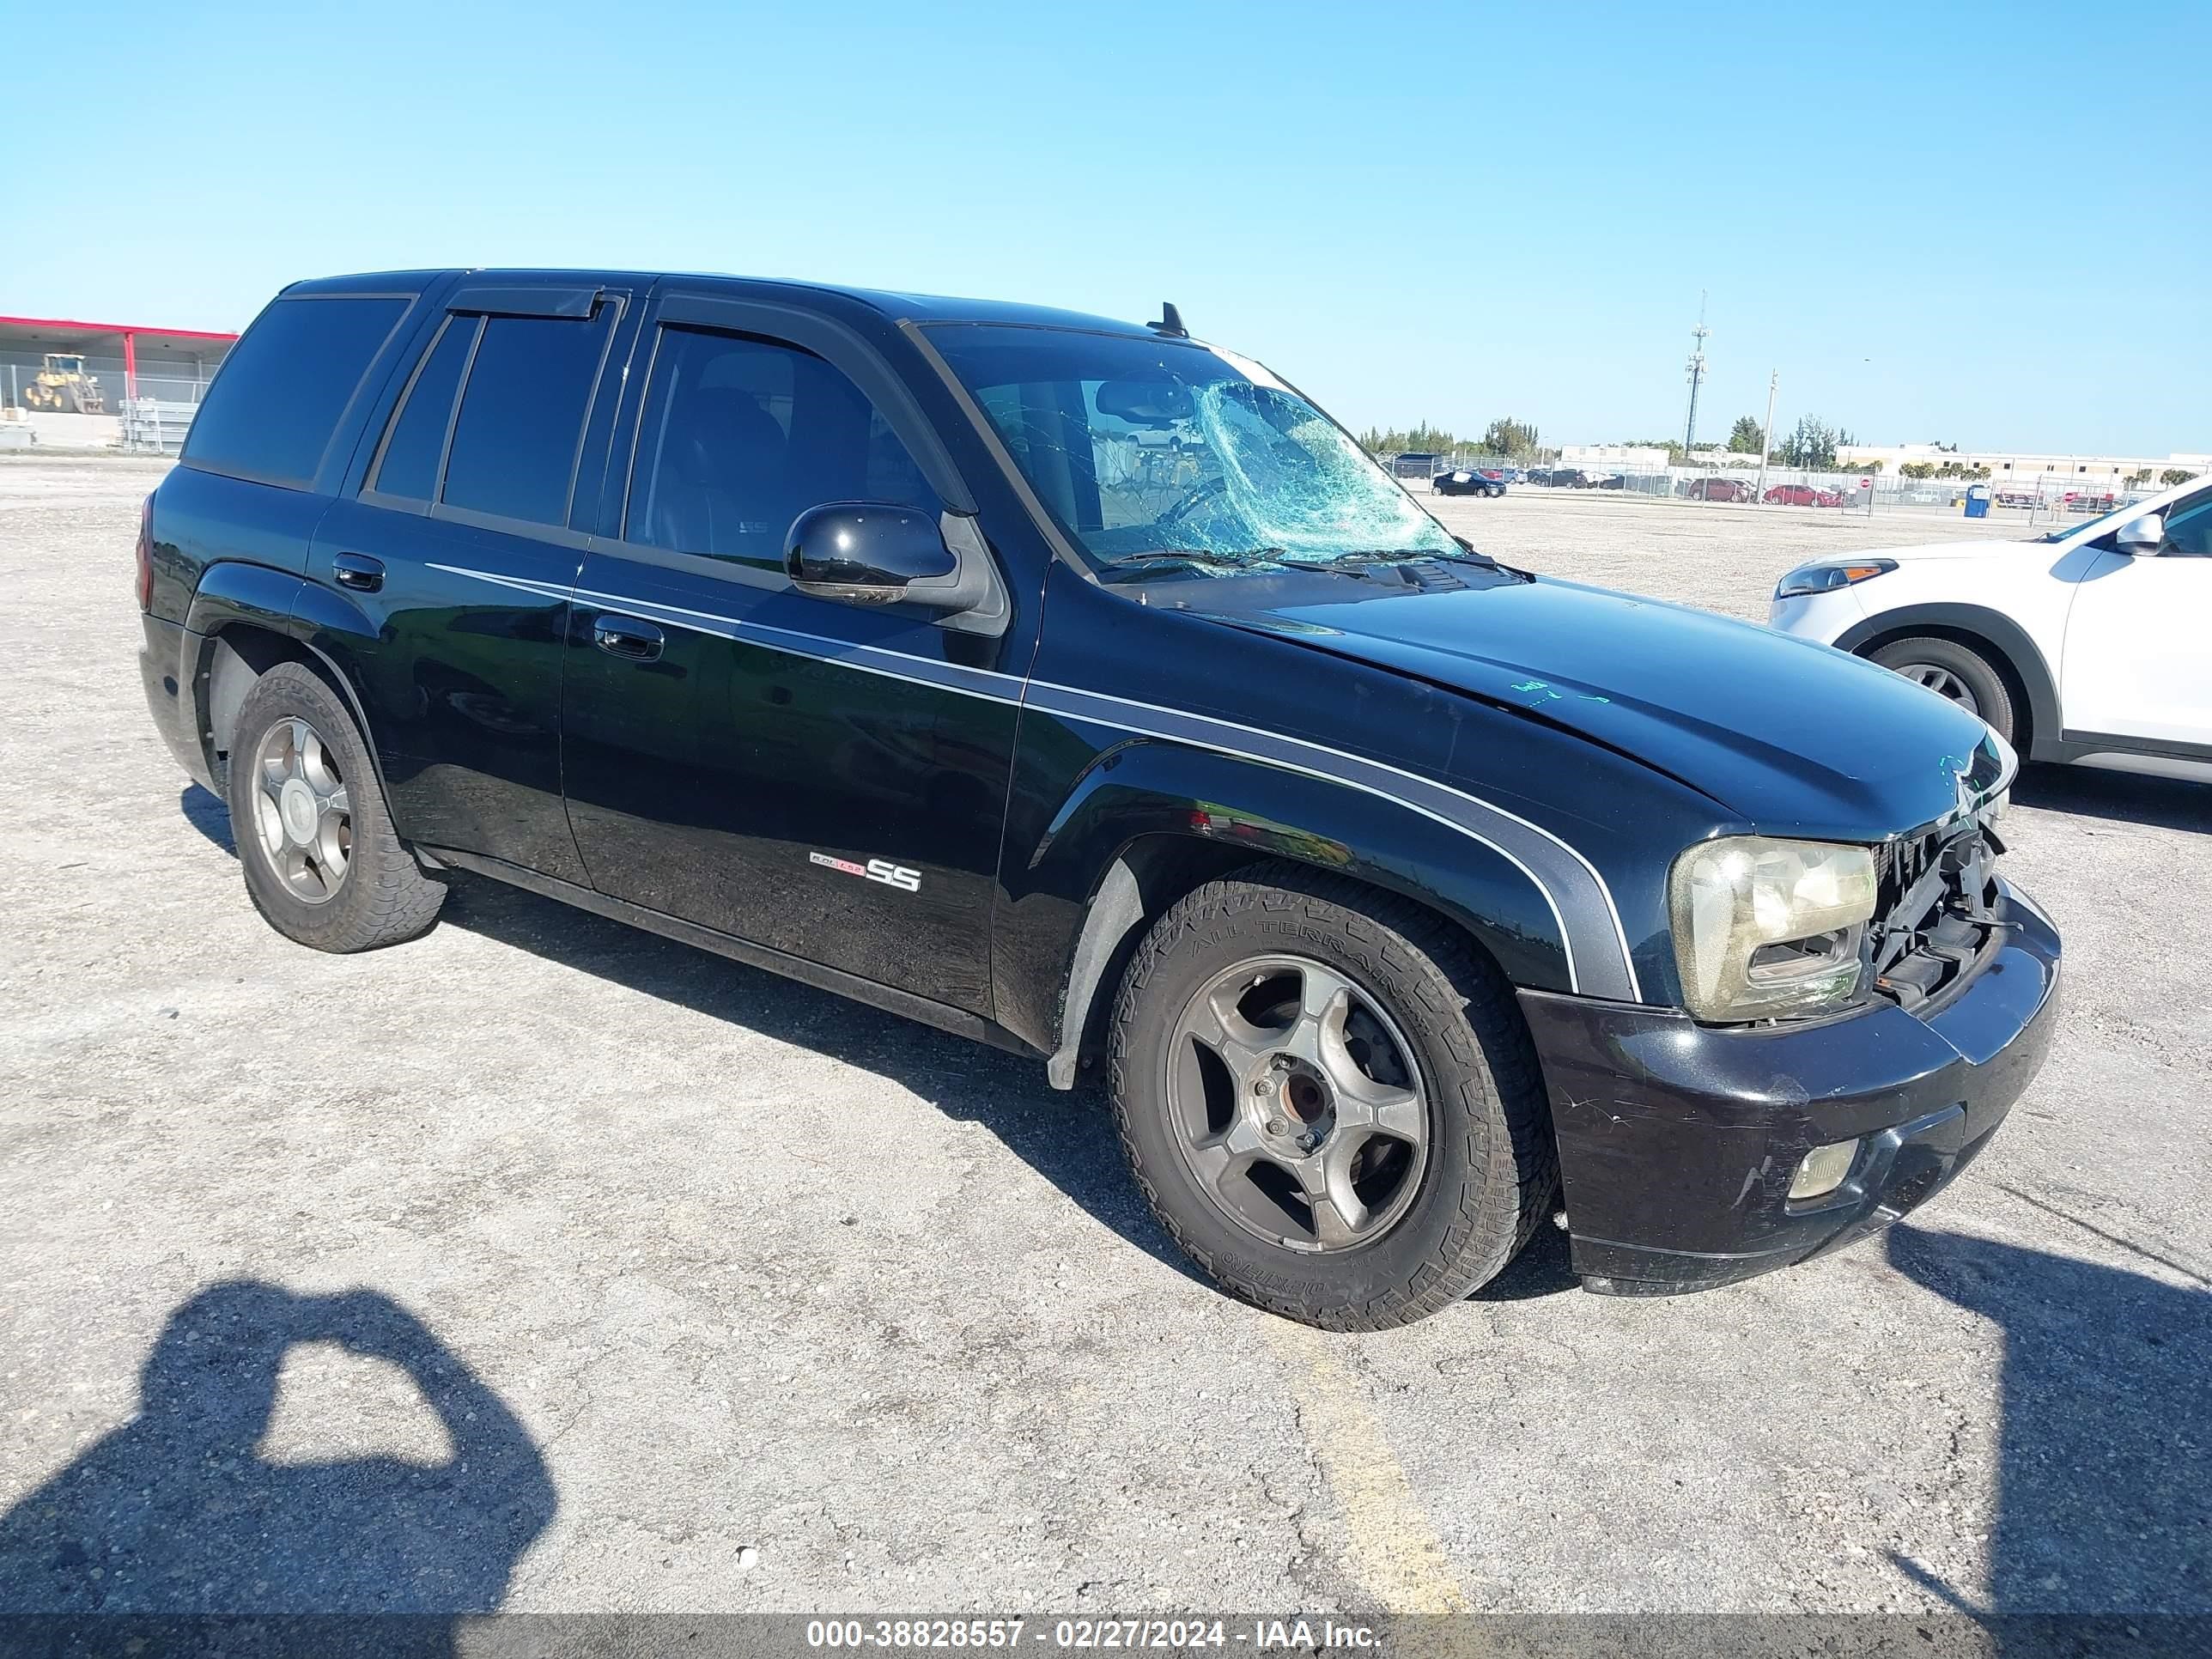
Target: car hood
x=1794 y=738
x=1984 y=549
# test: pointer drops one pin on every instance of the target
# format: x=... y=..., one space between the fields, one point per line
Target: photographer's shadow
x=2104 y=1480
x=180 y=1512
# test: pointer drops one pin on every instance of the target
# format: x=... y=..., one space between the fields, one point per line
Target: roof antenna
x=1171 y=321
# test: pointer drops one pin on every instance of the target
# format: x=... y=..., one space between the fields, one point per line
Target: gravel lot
x=573 y=1269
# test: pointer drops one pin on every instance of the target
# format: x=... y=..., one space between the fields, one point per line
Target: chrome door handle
x=358 y=572
x=628 y=638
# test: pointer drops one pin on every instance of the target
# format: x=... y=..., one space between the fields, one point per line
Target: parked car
x=1606 y=481
x=2084 y=644
x=2023 y=498
x=751 y=613
x=1789 y=495
x=1717 y=489
x=1569 y=478
x=1464 y=482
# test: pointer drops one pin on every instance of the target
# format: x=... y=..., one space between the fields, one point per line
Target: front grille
x=1935 y=899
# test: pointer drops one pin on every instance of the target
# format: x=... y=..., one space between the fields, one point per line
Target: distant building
x=2021 y=465
x=98 y=384
x=1639 y=456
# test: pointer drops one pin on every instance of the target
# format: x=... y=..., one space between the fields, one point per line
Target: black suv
x=1083 y=688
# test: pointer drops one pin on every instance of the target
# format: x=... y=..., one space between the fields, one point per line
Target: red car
x=1717 y=489
x=1802 y=496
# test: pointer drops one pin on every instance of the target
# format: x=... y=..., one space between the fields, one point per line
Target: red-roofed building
x=128 y=360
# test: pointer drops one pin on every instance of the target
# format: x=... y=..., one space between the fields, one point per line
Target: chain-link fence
x=2051 y=498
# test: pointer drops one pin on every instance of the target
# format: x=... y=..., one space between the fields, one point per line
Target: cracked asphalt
x=543 y=1263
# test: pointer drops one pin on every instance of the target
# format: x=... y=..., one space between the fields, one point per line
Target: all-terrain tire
x=1493 y=1169
x=1992 y=696
x=385 y=897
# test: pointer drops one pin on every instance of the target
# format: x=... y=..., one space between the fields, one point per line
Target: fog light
x=1823 y=1169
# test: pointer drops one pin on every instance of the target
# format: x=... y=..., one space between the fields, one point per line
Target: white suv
x=2092 y=643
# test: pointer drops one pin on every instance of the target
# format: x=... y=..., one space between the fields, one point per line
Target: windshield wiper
x=1463 y=554
x=1134 y=567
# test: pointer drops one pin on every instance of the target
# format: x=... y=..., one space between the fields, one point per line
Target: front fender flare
x=1229 y=810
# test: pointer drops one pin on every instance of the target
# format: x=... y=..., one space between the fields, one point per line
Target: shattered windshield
x=1160 y=453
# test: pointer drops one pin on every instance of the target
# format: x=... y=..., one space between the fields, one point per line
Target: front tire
x=1328 y=1098
x=322 y=862
x=1956 y=671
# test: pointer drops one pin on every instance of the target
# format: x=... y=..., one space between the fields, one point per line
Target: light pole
x=1767 y=437
x=1697 y=376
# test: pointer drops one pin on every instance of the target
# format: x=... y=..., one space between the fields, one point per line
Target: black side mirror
x=865 y=552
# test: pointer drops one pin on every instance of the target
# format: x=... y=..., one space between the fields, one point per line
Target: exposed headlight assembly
x=1827 y=578
x=1766 y=928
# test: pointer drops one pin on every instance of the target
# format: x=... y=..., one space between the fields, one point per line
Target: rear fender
x=232 y=596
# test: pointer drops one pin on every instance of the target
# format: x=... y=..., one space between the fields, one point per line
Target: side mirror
x=2141 y=535
x=865 y=552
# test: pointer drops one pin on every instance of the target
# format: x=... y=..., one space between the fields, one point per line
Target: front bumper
x=1678 y=1141
x=1823 y=618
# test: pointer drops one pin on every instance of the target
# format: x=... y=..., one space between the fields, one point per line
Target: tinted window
x=740 y=436
x=522 y=417
x=2189 y=528
x=276 y=403
x=409 y=465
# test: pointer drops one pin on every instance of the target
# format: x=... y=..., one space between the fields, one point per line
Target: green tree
x=1918 y=469
x=1747 y=436
x=1810 y=444
x=2174 y=475
x=1421 y=438
x=1507 y=436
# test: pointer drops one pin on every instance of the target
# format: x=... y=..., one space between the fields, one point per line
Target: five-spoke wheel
x=303 y=810
x=1329 y=1098
x=1297 y=1104
x=318 y=852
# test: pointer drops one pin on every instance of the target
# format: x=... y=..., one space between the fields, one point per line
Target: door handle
x=358 y=572
x=628 y=638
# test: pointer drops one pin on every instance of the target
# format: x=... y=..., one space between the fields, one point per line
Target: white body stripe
x=1064 y=700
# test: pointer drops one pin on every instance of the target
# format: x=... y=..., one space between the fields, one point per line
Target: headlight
x=1827 y=578
x=1764 y=928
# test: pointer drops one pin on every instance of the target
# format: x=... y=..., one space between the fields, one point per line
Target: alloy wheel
x=1296 y=1102
x=302 y=810
x=1942 y=682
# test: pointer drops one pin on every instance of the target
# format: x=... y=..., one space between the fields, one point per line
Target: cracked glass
x=1160 y=453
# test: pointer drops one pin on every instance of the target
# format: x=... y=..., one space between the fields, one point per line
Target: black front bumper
x=1678 y=1141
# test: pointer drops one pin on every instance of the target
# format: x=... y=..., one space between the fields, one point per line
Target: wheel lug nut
x=1274 y=1126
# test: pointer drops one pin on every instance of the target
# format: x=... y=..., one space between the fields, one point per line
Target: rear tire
x=1467 y=1167
x=1956 y=671
x=322 y=862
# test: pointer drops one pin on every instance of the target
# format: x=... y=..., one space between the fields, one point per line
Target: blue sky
x=1984 y=224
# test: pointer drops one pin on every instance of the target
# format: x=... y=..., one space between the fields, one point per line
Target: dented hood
x=1796 y=737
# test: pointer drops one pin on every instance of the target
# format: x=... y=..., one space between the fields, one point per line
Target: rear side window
x=521 y=421
x=409 y=465
x=741 y=435
x=276 y=403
